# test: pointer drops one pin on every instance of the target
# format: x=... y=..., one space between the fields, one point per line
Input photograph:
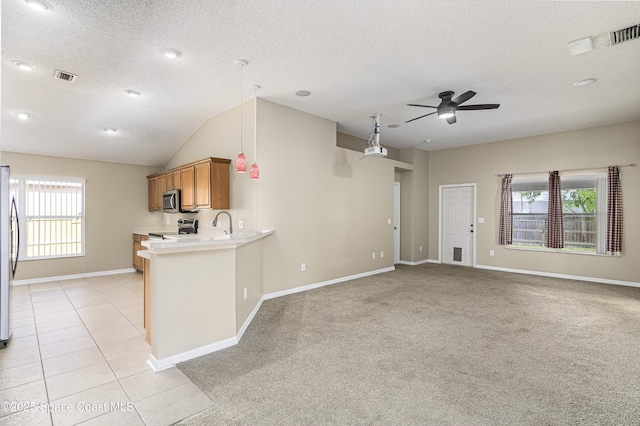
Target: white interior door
x=457 y=225
x=396 y=222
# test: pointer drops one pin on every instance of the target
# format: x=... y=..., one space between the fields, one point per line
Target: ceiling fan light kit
x=448 y=107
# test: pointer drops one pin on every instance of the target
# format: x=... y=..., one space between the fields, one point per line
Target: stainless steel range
x=185 y=226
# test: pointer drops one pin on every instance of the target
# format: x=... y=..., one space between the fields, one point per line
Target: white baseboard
x=249 y=319
x=165 y=363
x=565 y=276
x=420 y=262
x=325 y=283
x=72 y=277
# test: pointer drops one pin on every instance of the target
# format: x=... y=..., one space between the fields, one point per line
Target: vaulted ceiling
x=357 y=58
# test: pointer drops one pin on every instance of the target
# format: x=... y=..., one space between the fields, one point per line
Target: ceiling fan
x=448 y=107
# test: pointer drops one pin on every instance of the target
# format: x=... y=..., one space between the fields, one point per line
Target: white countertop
x=144 y=230
x=196 y=242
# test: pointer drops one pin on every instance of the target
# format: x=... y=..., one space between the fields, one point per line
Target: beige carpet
x=433 y=344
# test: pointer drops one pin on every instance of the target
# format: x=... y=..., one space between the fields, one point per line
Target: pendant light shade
x=241 y=163
x=255 y=172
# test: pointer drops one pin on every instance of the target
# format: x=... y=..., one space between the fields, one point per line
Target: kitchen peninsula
x=203 y=291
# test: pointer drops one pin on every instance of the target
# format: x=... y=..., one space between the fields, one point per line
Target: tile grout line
x=44 y=378
x=85 y=324
x=105 y=358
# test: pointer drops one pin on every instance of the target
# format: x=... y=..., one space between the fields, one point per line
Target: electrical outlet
x=420 y=248
x=303 y=267
x=241 y=224
x=381 y=254
x=167 y=221
x=492 y=253
x=373 y=255
x=245 y=293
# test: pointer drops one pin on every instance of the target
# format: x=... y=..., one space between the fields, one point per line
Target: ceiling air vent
x=626 y=34
x=65 y=76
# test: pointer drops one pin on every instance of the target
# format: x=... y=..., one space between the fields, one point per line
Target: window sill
x=549 y=250
x=65 y=256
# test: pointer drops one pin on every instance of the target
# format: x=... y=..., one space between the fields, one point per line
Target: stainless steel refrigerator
x=9 y=245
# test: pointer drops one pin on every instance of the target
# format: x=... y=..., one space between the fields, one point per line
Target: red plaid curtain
x=505 y=232
x=614 y=212
x=555 y=225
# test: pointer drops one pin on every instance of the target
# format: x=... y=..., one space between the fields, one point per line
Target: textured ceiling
x=357 y=57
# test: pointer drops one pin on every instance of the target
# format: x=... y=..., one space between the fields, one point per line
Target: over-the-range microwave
x=171 y=201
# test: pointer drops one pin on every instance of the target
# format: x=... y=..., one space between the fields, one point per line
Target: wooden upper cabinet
x=176 y=179
x=173 y=179
x=202 y=173
x=187 y=194
x=162 y=186
x=204 y=185
x=219 y=181
x=155 y=202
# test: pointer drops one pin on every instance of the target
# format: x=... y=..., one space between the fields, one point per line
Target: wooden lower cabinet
x=137 y=245
x=147 y=311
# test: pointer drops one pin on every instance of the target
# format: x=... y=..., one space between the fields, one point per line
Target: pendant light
x=254 y=173
x=241 y=160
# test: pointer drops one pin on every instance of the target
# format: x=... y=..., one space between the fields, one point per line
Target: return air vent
x=65 y=76
x=626 y=34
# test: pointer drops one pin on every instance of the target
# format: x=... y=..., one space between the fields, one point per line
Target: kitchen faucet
x=215 y=221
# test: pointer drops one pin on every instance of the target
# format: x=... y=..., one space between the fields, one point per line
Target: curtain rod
x=568 y=170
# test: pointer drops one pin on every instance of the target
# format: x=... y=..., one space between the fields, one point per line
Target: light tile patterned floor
x=78 y=355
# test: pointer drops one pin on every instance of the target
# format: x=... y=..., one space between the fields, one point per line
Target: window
x=584 y=211
x=51 y=210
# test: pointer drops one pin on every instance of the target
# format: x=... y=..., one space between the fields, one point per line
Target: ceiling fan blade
x=477 y=107
x=464 y=97
x=451 y=120
x=422 y=116
x=424 y=106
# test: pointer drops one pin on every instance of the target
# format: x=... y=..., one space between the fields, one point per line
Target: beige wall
x=355 y=143
x=587 y=148
x=220 y=137
x=329 y=208
x=115 y=201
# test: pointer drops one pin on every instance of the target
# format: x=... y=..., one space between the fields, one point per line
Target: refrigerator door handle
x=14 y=213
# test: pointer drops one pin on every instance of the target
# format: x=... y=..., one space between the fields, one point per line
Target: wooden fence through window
x=530 y=229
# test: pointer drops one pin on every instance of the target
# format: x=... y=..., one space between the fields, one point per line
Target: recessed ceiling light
x=110 y=130
x=39 y=5
x=171 y=53
x=303 y=93
x=24 y=115
x=24 y=66
x=585 y=82
x=132 y=93
x=393 y=126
